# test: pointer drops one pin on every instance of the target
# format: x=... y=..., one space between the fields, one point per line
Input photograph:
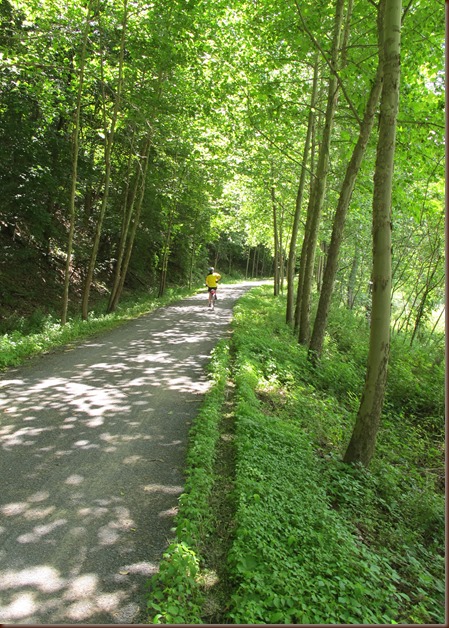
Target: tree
x=299 y=196
x=318 y=195
x=362 y=443
x=76 y=133
x=109 y=132
x=316 y=341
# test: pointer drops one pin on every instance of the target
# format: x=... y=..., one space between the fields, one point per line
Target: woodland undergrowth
x=309 y=539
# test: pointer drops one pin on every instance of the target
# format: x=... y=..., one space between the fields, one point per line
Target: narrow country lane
x=93 y=442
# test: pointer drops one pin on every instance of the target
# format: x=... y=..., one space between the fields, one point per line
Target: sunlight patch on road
x=41 y=531
x=22 y=605
x=42 y=577
x=161 y=488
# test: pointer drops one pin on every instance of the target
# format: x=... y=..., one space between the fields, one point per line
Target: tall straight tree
x=76 y=133
x=363 y=440
x=302 y=179
x=109 y=132
x=319 y=327
x=130 y=223
x=307 y=261
x=277 y=252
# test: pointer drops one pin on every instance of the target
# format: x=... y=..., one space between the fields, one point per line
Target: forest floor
x=94 y=440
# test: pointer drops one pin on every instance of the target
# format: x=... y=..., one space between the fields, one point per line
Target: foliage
x=175 y=595
x=221 y=92
x=319 y=541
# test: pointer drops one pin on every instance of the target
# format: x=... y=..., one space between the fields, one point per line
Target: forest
x=141 y=143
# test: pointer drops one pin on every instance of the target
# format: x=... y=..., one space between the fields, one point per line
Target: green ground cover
x=313 y=540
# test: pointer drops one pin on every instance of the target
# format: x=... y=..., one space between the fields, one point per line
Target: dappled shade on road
x=93 y=442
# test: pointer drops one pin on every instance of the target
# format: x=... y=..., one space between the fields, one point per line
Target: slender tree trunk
x=165 y=256
x=109 y=142
x=363 y=440
x=281 y=251
x=352 y=279
x=264 y=259
x=192 y=256
x=129 y=211
x=317 y=339
x=303 y=255
x=76 y=132
x=247 y=262
x=253 y=266
x=321 y=178
x=276 y=242
x=321 y=263
x=134 y=226
x=128 y=206
x=443 y=309
x=422 y=304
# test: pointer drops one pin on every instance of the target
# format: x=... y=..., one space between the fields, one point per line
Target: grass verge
x=317 y=541
x=272 y=526
x=178 y=590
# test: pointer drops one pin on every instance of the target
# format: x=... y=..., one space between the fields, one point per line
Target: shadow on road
x=93 y=443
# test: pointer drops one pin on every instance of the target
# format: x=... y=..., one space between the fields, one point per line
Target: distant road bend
x=93 y=442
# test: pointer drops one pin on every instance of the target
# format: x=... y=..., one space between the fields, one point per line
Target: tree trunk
x=247 y=262
x=253 y=268
x=363 y=441
x=165 y=256
x=109 y=141
x=276 y=242
x=422 y=304
x=76 y=132
x=321 y=263
x=281 y=252
x=134 y=225
x=192 y=256
x=352 y=278
x=303 y=256
x=317 y=339
x=320 y=180
x=129 y=209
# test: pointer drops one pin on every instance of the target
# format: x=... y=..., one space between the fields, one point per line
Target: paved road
x=93 y=442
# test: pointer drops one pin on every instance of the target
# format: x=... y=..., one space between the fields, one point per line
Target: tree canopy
x=142 y=142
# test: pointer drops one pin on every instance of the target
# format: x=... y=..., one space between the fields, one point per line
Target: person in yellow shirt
x=212 y=280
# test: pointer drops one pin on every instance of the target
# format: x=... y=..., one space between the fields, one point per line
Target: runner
x=212 y=280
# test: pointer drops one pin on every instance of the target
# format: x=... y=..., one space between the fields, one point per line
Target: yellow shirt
x=211 y=280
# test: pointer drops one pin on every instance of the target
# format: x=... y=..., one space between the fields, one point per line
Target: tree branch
x=323 y=54
x=406 y=10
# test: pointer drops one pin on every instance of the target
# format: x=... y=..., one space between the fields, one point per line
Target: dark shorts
x=210 y=289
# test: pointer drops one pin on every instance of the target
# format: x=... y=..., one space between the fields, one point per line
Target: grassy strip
x=46 y=333
x=177 y=590
x=318 y=541
x=317 y=573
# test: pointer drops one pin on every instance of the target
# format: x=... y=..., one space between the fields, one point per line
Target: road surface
x=93 y=442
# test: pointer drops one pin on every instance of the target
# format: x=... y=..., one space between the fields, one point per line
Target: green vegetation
x=314 y=540
x=142 y=142
x=178 y=587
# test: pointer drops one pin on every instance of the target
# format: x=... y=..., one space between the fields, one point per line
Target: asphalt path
x=93 y=442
